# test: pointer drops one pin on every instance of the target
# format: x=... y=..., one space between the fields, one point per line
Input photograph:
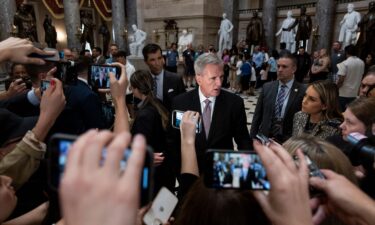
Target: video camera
x=363 y=151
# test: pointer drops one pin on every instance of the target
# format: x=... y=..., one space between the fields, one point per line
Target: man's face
x=336 y=46
x=68 y=55
x=285 y=69
x=121 y=60
x=155 y=61
x=113 y=50
x=301 y=51
x=367 y=82
x=95 y=53
x=210 y=80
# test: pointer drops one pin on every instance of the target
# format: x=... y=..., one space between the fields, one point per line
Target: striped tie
x=280 y=101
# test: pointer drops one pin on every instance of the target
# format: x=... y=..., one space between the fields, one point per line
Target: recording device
x=229 y=169
x=177 y=118
x=314 y=171
x=161 y=208
x=59 y=146
x=263 y=139
x=100 y=75
x=44 y=85
x=27 y=81
x=363 y=151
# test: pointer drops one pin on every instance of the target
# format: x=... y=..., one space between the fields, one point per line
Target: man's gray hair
x=205 y=59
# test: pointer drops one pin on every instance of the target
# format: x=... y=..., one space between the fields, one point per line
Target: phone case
x=161 y=208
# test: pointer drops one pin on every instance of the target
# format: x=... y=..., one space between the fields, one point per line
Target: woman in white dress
x=286 y=35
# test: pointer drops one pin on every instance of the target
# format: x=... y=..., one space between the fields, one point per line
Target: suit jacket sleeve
x=258 y=116
x=92 y=112
x=241 y=135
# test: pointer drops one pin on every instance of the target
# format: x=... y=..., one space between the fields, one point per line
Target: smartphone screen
x=100 y=75
x=44 y=85
x=60 y=145
x=177 y=118
x=229 y=169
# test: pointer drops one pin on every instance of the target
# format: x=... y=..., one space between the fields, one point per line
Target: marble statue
x=139 y=38
x=50 y=36
x=254 y=30
x=366 y=41
x=349 y=26
x=88 y=28
x=183 y=41
x=287 y=36
x=304 y=28
x=225 y=34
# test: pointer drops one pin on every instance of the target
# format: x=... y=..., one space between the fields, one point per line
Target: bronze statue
x=366 y=41
x=50 y=36
x=304 y=28
x=254 y=31
x=103 y=30
x=87 y=32
x=25 y=24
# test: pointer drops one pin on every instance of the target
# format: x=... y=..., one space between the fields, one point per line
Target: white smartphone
x=177 y=118
x=161 y=208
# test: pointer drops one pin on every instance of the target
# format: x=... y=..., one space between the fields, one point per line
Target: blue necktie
x=280 y=101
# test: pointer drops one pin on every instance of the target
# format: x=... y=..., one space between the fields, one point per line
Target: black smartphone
x=44 y=85
x=59 y=146
x=100 y=74
x=53 y=58
x=229 y=169
x=177 y=118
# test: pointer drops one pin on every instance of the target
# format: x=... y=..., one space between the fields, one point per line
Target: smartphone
x=59 y=146
x=177 y=118
x=161 y=208
x=44 y=85
x=100 y=74
x=229 y=169
x=53 y=58
x=314 y=171
x=263 y=139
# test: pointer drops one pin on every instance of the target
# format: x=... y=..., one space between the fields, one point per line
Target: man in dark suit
x=278 y=102
x=167 y=85
x=97 y=56
x=223 y=113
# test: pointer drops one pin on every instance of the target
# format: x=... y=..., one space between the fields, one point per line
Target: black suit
x=172 y=86
x=265 y=109
x=82 y=111
x=228 y=122
x=148 y=122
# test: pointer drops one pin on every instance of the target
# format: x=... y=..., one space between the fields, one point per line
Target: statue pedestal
x=138 y=62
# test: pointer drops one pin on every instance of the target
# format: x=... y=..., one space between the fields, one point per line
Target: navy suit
x=83 y=110
x=265 y=109
x=228 y=122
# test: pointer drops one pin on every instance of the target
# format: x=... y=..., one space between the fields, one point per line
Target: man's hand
x=94 y=192
x=16 y=87
x=118 y=87
x=18 y=50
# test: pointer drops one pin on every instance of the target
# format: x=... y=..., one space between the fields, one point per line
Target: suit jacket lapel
x=216 y=116
x=196 y=106
x=292 y=96
x=273 y=95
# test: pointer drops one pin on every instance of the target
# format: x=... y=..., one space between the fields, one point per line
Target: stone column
x=231 y=9
x=7 y=12
x=72 y=23
x=325 y=12
x=269 y=22
x=118 y=22
x=131 y=14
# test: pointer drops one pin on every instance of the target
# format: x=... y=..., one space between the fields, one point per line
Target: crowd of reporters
x=96 y=192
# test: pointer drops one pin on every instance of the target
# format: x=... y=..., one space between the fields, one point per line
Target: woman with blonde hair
x=320 y=115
